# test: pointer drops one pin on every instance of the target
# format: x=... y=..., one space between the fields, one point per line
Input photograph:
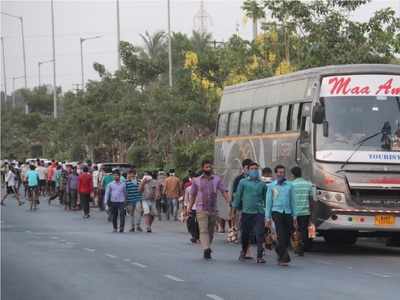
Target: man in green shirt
x=250 y=199
x=302 y=191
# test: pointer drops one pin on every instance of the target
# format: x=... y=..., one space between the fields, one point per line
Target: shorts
x=32 y=191
x=149 y=207
x=42 y=183
x=51 y=184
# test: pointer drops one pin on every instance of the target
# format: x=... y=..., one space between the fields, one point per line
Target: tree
x=254 y=10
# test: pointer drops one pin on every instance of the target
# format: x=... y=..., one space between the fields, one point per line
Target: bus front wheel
x=340 y=237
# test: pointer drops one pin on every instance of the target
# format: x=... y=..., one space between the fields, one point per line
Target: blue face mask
x=280 y=179
x=254 y=174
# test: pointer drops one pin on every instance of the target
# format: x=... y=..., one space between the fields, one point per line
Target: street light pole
x=169 y=45
x=82 y=67
x=82 y=70
x=118 y=38
x=54 y=62
x=40 y=63
x=13 y=86
x=4 y=69
x=21 y=20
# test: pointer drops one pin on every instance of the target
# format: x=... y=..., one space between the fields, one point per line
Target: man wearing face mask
x=234 y=222
x=250 y=199
x=280 y=207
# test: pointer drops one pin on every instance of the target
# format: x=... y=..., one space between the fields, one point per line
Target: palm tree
x=200 y=41
x=255 y=11
x=155 y=46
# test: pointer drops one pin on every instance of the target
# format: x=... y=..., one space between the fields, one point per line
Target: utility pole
x=118 y=39
x=169 y=46
x=4 y=69
x=201 y=19
x=54 y=62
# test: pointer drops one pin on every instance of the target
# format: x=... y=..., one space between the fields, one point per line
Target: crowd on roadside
x=265 y=207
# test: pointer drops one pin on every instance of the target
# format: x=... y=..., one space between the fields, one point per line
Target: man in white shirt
x=42 y=177
x=95 y=175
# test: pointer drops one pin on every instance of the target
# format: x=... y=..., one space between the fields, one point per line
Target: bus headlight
x=331 y=198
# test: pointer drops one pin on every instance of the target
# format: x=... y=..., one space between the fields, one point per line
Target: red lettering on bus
x=340 y=86
x=385 y=88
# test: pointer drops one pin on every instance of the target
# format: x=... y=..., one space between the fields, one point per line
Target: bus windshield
x=350 y=119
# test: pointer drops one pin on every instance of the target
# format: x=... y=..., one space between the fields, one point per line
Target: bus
x=340 y=124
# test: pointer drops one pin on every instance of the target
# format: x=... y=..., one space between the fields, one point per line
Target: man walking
x=134 y=200
x=204 y=194
x=148 y=187
x=250 y=199
x=303 y=197
x=172 y=191
x=280 y=207
x=72 y=187
x=85 y=190
x=116 y=197
x=33 y=186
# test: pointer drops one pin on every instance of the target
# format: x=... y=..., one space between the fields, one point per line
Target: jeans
x=135 y=212
x=206 y=222
x=172 y=208
x=118 y=208
x=303 y=222
x=251 y=223
x=85 y=199
x=193 y=225
x=284 y=226
x=73 y=195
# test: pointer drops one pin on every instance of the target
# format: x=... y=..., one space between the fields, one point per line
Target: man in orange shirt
x=172 y=190
x=51 y=182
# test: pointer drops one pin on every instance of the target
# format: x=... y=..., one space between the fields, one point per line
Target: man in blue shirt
x=116 y=197
x=33 y=185
x=280 y=208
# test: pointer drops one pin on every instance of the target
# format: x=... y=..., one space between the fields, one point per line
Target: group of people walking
x=259 y=202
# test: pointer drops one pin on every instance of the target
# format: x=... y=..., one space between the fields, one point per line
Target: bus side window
x=233 y=123
x=258 y=121
x=270 y=120
x=277 y=119
x=295 y=119
x=283 y=118
x=245 y=119
x=305 y=123
x=289 y=118
x=222 y=125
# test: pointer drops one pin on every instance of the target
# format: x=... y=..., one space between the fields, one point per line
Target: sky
x=76 y=19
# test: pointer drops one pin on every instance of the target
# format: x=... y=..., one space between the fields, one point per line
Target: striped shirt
x=132 y=191
x=302 y=194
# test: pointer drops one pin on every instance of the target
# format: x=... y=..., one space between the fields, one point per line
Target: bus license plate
x=385 y=220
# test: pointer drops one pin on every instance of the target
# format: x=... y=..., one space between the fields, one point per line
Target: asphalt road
x=52 y=254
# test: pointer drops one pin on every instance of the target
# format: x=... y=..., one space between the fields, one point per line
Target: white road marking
x=173 y=278
x=62 y=241
x=89 y=249
x=139 y=265
x=324 y=262
x=350 y=268
x=28 y=231
x=215 y=297
x=110 y=255
x=380 y=275
x=55 y=237
x=127 y=259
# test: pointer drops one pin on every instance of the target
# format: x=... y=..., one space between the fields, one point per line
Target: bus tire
x=340 y=237
x=393 y=240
